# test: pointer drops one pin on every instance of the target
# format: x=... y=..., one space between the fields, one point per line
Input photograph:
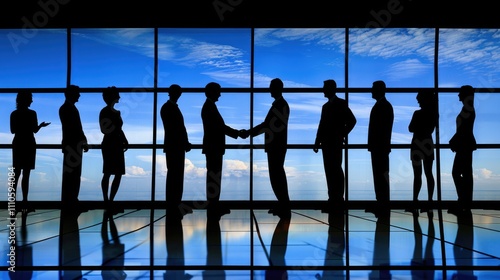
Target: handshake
x=243 y=133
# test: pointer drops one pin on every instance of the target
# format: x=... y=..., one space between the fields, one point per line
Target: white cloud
x=135 y=171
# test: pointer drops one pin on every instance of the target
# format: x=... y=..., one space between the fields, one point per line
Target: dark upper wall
x=248 y=13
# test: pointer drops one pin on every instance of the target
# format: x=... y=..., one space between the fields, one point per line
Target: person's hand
x=44 y=124
x=188 y=147
x=244 y=133
x=85 y=147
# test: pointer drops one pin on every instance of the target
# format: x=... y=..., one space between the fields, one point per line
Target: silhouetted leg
x=277 y=175
x=332 y=160
x=462 y=177
x=175 y=178
x=114 y=186
x=417 y=178
x=430 y=178
x=72 y=171
x=105 y=186
x=214 y=177
x=380 y=168
x=25 y=183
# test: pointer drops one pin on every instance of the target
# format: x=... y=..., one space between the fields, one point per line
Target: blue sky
x=300 y=57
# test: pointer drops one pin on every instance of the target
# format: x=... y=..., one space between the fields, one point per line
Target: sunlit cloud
x=266 y=37
x=406 y=69
x=135 y=171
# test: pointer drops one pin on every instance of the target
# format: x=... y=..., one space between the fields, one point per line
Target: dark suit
x=214 y=147
x=463 y=143
x=379 y=144
x=275 y=127
x=336 y=121
x=73 y=141
x=175 y=146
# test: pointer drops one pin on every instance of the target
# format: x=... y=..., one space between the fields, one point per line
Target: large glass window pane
x=33 y=58
x=400 y=57
x=485 y=173
x=304 y=171
x=469 y=56
x=195 y=57
x=112 y=57
x=301 y=57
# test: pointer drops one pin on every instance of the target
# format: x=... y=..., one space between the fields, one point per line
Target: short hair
x=277 y=83
x=380 y=85
x=110 y=94
x=330 y=84
x=71 y=90
x=175 y=90
x=23 y=98
x=467 y=90
x=212 y=89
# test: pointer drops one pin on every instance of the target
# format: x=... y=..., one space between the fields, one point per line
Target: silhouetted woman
x=24 y=124
x=422 y=125
x=114 y=144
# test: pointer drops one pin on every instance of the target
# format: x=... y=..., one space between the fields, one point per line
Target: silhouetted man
x=463 y=143
x=336 y=121
x=214 y=147
x=175 y=146
x=275 y=127
x=74 y=143
x=279 y=243
x=379 y=144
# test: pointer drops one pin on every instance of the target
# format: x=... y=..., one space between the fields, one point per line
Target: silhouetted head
x=111 y=95
x=329 y=88
x=72 y=93
x=276 y=88
x=466 y=95
x=212 y=91
x=174 y=91
x=24 y=99
x=426 y=98
x=378 y=89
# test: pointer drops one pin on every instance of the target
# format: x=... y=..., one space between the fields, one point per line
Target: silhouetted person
x=423 y=259
x=214 y=147
x=336 y=121
x=174 y=236
x=463 y=249
x=112 y=251
x=422 y=126
x=24 y=124
x=335 y=246
x=69 y=244
x=379 y=145
x=215 y=269
x=113 y=147
x=24 y=253
x=74 y=143
x=175 y=146
x=381 y=257
x=463 y=143
x=275 y=128
x=277 y=253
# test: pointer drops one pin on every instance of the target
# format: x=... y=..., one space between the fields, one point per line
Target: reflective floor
x=251 y=244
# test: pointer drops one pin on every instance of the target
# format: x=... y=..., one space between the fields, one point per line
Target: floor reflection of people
x=381 y=257
x=335 y=246
x=278 y=250
x=214 y=250
x=24 y=254
x=464 y=243
x=112 y=252
x=423 y=259
x=69 y=244
x=174 y=236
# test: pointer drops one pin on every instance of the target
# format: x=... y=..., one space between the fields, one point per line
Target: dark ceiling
x=248 y=13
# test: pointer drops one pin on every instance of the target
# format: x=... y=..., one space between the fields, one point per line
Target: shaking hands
x=244 y=133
